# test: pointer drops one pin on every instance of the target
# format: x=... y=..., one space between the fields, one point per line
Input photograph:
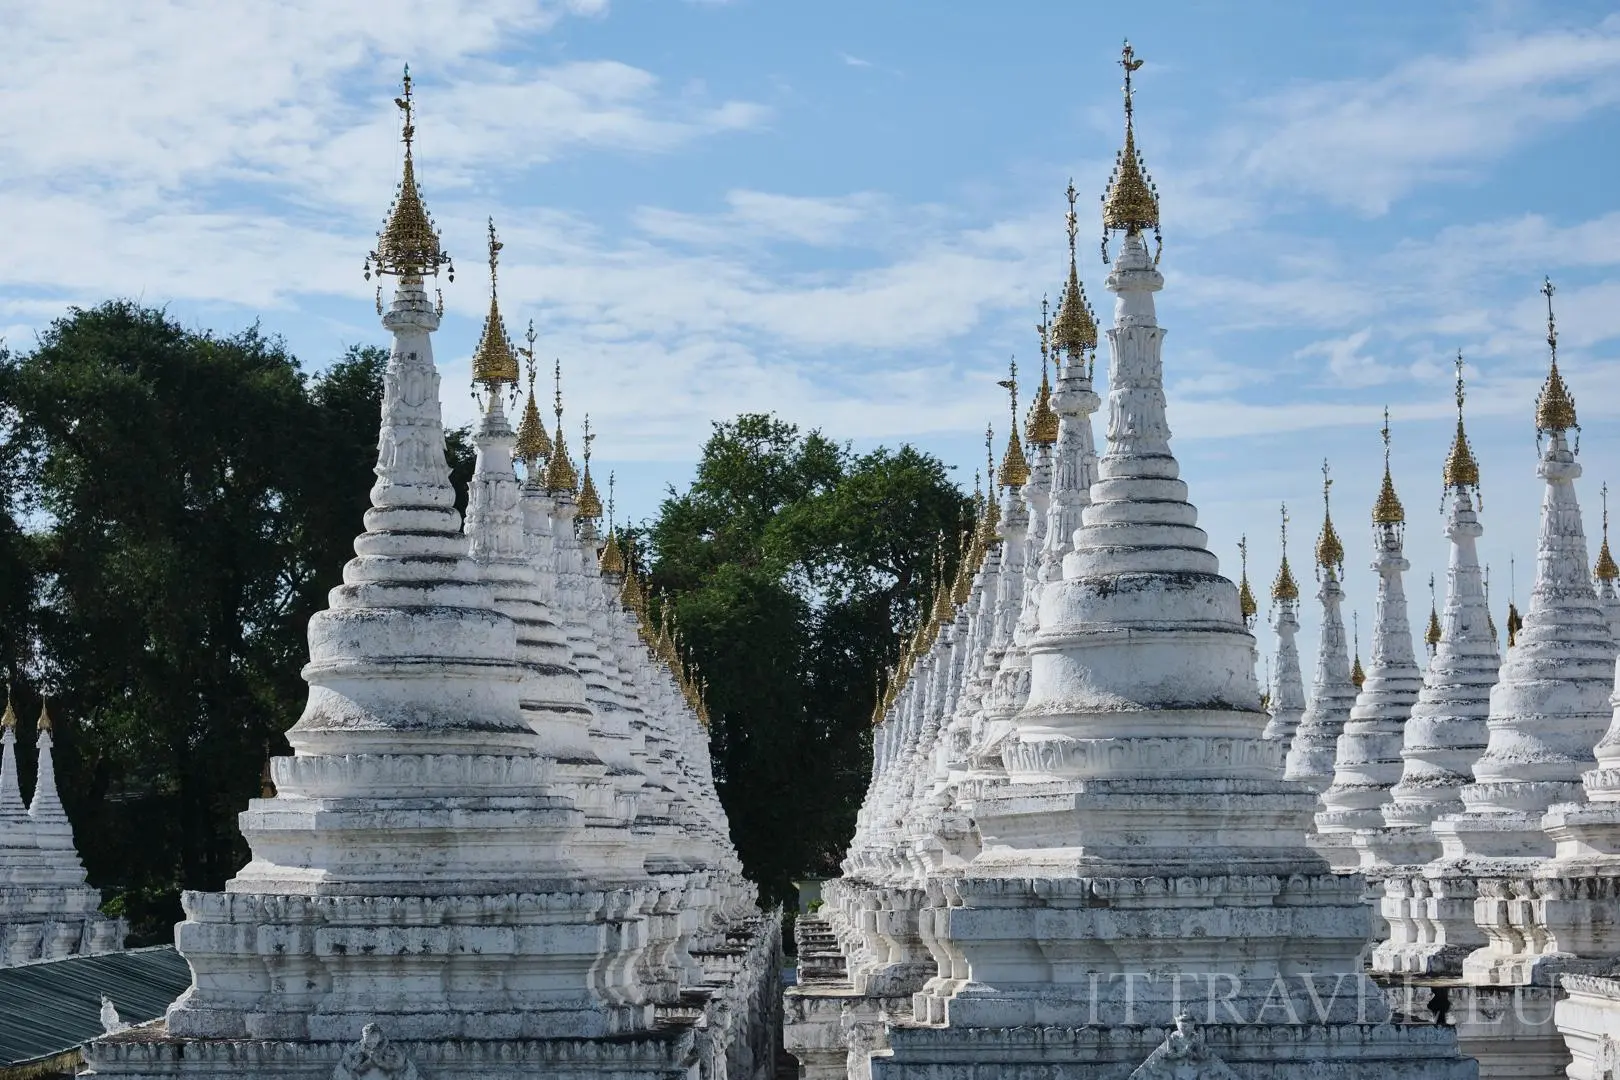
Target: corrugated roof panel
x=55 y=1005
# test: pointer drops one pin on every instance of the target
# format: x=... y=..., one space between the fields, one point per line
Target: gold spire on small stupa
x=962 y=589
x=1014 y=466
x=494 y=361
x=1432 y=636
x=560 y=475
x=1074 y=331
x=267 y=783
x=1131 y=203
x=992 y=505
x=1388 y=509
x=1490 y=620
x=408 y=246
x=1246 y=605
x=1461 y=471
x=590 y=503
x=1041 y=427
x=1358 y=675
x=612 y=560
x=1555 y=409
x=533 y=444
x=1285 y=587
x=1515 y=621
x=1329 y=549
x=944 y=609
x=1605 y=569
x=8 y=719
x=44 y=722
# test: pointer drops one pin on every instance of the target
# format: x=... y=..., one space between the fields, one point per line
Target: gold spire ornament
x=267 y=783
x=560 y=476
x=1433 y=635
x=8 y=719
x=533 y=444
x=1358 y=676
x=44 y=722
x=1329 y=549
x=1461 y=472
x=1041 y=427
x=1515 y=621
x=494 y=361
x=1285 y=587
x=1555 y=409
x=1074 y=331
x=408 y=247
x=612 y=560
x=1246 y=605
x=590 y=503
x=962 y=589
x=992 y=507
x=1014 y=466
x=1388 y=509
x=1605 y=569
x=1131 y=203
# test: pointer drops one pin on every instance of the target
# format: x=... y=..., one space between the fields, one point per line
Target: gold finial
x=408 y=246
x=8 y=719
x=1605 y=568
x=1433 y=635
x=1358 y=677
x=1555 y=409
x=1515 y=622
x=533 y=444
x=1461 y=471
x=1014 y=466
x=494 y=362
x=590 y=503
x=44 y=723
x=1074 y=331
x=944 y=608
x=1329 y=550
x=560 y=475
x=1387 y=510
x=962 y=588
x=1131 y=203
x=267 y=784
x=1042 y=426
x=992 y=508
x=1246 y=605
x=1285 y=587
x=612 y=561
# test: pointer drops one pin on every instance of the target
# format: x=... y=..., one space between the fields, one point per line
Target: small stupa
x=1286 y=695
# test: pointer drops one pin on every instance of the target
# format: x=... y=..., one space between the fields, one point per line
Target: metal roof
x=51 y=1006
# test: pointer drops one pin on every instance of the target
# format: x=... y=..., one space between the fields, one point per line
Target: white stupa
x=1286 y=694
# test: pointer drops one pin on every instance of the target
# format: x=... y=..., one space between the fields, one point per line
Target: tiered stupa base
x=50 y=922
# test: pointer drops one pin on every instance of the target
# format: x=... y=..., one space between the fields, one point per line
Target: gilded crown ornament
x=1074 y=331
x=408 y=247
x=533 y=444
x=612 y=560
x=590 y=503
x=1285 y=587
x=1605 y=569
x=1246 y=605
x=1014 y=466
x=560 y=476
x=1358 y=675
x=1131 y=202
x=1388 y=509
x=1329 y=549
x=494 y=361
x=992 y=506
x=1555 y=409
x=8 y=719
x=1431 y=637
x=1461 y=472
x=44 y=721
x=1515 y=621
x=1041 y=426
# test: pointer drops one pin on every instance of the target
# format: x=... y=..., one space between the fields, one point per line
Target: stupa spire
x=1284 y=588
x=1311 y=758
x=51 y=829
x=11 y=805
x=1074 y=332
x=590 y=503
x=1014 y=466
x=1041 y=426
x=408 y=247
x=1555 y=408
x=1246 y=605
x=1131 y=202
x=1604 y=569
x=560 y=475
x=1387 y=510
x=1461 y=471
x=1329 y=548
x=533 y=445
x=612 y=560
x=494 y=360
x=1433 y=635
x=1358 y=676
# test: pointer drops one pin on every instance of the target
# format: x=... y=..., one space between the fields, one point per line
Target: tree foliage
x=792 y=564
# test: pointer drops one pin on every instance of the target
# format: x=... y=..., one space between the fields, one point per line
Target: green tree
x=793 y=564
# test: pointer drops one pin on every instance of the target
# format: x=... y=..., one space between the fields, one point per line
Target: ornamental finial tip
x=1130 y=203
x=494 y=361
x=1388 y=509
x=1555 y=408
x=1014 y=466
x=1285 y=587
x=1461 y=471
x=408 y=247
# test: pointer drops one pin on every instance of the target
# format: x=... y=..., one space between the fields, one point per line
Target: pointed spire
x=1555 y=409
x=1042 y=426
x=494 y=361
x=1246 y=605
x=8 y=720
x=1388 y=510
x=1329 y=549
x=560 y=475
x=943 y=610
x=1014 y=466
x=267 y=783
x=590 y=503
x=612 y=560
x=1432 y=636
x=1461 y=472
x=408 y=245
x=1131 y=203
x=1605 y=569
x=1515 y=621
x=1074 y=332
x=962 y=590
x=44 y=723
x=533 y=444
x=1285 y=587
x=1358 y=675
x=992 y=506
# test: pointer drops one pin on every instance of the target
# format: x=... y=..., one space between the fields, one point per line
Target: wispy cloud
x=854 y=61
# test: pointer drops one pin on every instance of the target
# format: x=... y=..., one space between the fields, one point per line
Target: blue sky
x=848 y=212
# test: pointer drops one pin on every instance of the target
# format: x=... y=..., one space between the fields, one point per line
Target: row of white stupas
x=47 y=911
x=497 y=850
x=1090 y=849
